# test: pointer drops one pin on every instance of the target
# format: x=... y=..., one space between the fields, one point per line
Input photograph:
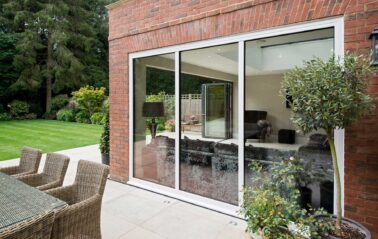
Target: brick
x=145 y=24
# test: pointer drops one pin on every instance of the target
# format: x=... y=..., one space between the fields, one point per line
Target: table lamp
x=153 y=110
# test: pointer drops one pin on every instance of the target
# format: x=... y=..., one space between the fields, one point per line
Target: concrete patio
x=133 y=213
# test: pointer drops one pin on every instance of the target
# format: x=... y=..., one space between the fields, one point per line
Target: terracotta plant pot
x=354 y=224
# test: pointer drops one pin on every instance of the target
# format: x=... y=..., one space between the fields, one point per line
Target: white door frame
x=337 y=23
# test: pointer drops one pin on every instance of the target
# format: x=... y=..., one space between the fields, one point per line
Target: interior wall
x=262 y=93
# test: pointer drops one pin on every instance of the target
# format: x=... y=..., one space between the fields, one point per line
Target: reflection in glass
x=154 y=119
x=209 y=145
x=216 y=105
x=269 y=133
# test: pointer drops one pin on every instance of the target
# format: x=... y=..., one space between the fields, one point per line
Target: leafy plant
x=18 y=108
x=82 y=117
x=97 y=118
x=271 y=205
x=65 y=115
x=104 y=144
x=2 y=109
x=89 y=99
x=29 y=116
x=59 y=102
x=5 y=117
x=329 y=95
x=170 y=125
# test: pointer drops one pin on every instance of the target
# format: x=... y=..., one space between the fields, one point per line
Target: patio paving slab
x=132 y=213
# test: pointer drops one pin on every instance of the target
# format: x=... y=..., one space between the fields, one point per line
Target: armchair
x=81 y=219
x=53 y=173
x=29 y=163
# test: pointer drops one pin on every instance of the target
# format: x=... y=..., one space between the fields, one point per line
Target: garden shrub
x=65 y=115
x=89 y=99
x=5 y=117
x=104 y=142
x=58 y=102
x=72 y=104
x=29 y=116
x=82 y=117
x=19 y=108
x=97 y=118
x=2 y=109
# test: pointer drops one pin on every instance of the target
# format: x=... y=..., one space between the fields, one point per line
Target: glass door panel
x=154 y=119
x=216 y=104
x=208 y=144
x=270 y=135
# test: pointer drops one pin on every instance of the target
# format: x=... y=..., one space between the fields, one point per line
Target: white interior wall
x=262 y=93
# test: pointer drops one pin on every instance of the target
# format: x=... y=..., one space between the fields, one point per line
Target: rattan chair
x=29 y=163
x=53 y=173
x=81 y=219
x=38 y=227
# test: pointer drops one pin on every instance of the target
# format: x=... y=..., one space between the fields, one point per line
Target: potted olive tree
x=331 y=95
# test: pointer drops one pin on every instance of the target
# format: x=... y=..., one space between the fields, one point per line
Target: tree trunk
x=49 y=78
x=337 y=179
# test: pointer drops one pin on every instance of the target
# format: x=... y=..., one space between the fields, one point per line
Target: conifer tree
x=59 y=48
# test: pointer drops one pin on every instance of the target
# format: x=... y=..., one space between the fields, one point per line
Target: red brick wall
x=137 y=25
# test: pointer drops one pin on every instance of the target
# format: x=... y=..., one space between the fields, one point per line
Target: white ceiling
x=266 y=56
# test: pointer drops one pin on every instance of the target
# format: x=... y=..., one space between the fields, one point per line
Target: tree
x=8 y=73
x=58 y=45
x=329 y=95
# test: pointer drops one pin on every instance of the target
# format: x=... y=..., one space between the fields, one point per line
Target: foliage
x=170 y=125
x=8 y=73
x=329 y=95
x=90 y=99
x=97 y=118
x=65 y=115
x=61 y=44
x=159 y=80
x=5 y=116
x=82 y=117
x=29 y=116
x=105 y=137
x=169 y=109
x=271 y=205
x=18 y=108
x=58 y=102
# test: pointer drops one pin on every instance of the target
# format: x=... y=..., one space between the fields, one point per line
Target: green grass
x=47 y=135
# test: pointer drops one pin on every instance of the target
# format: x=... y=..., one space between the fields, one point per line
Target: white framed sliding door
x=179 y=161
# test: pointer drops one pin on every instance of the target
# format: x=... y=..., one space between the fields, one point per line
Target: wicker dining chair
x=29 y=163
x=38 y=227
x=81 y=219
x=53 y=173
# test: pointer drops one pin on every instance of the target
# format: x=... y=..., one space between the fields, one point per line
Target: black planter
x=105 y=158
x=326 y=196
x=351 y=223
x=306 y=197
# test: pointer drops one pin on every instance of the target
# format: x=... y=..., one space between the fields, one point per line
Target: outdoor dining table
x=20 y=202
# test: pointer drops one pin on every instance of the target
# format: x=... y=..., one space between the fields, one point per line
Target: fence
x=190 y=104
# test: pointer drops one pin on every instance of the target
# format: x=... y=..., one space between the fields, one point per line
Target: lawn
x=47 y=135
